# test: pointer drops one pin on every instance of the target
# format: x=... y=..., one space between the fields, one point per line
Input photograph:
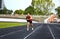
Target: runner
x=29 y=21
x=51 y=19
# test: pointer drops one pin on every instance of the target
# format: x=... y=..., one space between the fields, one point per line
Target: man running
x=51 y=19
x=29 y=21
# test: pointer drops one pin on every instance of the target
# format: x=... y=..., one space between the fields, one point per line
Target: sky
x=23 y=4
x=17 y=4
x=57 y=3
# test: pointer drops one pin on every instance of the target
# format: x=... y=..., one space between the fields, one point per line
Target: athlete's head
x=28 y=14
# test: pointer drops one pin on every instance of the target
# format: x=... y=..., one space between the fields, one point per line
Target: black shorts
x=30 y=21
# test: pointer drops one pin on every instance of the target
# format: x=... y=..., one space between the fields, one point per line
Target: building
x=1 y=4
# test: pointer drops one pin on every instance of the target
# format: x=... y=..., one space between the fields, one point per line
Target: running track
x=41 y=31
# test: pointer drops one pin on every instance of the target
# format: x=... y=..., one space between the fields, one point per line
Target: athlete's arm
x=30 y=17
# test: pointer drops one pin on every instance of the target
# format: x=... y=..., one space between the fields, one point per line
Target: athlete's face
x=28 y=14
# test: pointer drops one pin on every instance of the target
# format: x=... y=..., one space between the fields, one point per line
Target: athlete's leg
x=28 y=26
x=31 y=25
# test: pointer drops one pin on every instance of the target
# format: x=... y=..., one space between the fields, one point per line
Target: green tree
x=9 y=11
x=5 y=11
x=43 y=6
x=16 y=12
x=30 y=10
x=58 y=11
x=19 y=12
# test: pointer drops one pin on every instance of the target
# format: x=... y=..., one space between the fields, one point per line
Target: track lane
x=56 y=30
x=19 y=34
x=45 y=32
x=41 y=33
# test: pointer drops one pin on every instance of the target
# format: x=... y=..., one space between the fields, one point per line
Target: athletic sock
x=27 y=29
x=32 y=28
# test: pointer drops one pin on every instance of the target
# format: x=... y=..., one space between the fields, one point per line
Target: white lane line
x=33 y=32
x=51 y=32
x=12 y=32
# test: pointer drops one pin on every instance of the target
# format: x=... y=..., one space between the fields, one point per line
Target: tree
x=30 y=10
x=58 y=11
x=9 y=11
x=19 y=12
x=43 y=6
x=5 y=11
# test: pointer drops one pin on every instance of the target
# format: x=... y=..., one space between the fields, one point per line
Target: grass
x=11 y=24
